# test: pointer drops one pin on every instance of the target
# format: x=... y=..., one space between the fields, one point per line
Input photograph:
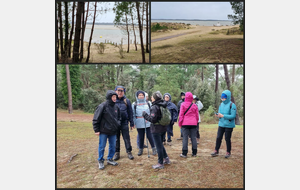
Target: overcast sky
x=190 y=10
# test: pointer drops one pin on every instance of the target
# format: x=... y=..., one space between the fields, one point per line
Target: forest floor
x=111 y=54
x=200 y=44
x=75 y=135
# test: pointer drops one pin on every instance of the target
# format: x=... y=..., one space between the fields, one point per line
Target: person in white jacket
x=200 y=106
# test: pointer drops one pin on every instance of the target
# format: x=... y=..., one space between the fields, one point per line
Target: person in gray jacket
x=140 y=123
x=200 y=106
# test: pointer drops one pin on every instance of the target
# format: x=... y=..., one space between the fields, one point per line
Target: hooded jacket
x=155 y=116
x=107 y=117
x=229 y=114
x=172 y=108
x=126 y=111
x=180 y=102
x=141 y=106
x=200 y=106
x=192 y=116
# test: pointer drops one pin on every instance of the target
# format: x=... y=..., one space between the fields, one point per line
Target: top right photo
x=197 y=32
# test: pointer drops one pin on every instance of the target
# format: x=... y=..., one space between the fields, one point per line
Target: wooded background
x=89 y=84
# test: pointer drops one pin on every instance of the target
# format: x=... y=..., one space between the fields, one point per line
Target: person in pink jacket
x=188 y=119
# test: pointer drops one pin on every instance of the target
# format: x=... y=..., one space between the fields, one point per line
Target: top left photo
x=102 y=32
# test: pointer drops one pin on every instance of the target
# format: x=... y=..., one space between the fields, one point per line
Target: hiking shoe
x=117 y=156
x=101 y=164
x=154 y=151
x=158 y=166
x=180 y=138
x=215 y=153
x=145 y=146
x=227 y=155
x=130 y=156
x=140 y=152
x=164 y=143
x=194 y=155
x=167 y=160
x=111 y=162
x=183 y=156
x=169 y=143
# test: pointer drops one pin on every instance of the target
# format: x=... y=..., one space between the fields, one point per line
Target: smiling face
x=167 y=98
x=141 y=96
x=120 y=92
x=114 y=98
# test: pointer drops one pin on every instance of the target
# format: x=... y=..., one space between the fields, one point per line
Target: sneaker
x=180 y=138
x=140 y=152
x=169 y=143
x=194 y=155
x=164 y=143
x=154 y=151
x=130 y=156
x=158 y=166
x=111 y=162
x=117 y=156
x=167 y=160
x=227 y=155
x=215 y=153
x=145 y=146
x=101 y=164
x=183 y=156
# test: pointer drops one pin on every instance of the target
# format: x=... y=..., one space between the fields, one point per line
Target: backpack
x=134 y=104
x=165 y=116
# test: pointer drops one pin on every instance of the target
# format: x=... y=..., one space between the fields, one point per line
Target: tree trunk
x=92 y=30
x=237 y=120
x=133 y=31
x=141 y=32
x=127 y=32
x=77 y=33
x=66 y=33
x=202 y=77
x=82 y=33
x=72 y=29
x=217 y=78
x=70 y=107
x=147 y=28
x=57 y=41
x=60 y=31
x=233 y=74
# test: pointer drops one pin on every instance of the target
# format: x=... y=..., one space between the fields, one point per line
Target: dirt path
x=168 y=37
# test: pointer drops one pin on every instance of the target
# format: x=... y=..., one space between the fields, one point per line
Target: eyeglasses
x=120 y=90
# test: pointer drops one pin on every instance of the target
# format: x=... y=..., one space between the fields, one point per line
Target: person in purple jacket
x=188 y=119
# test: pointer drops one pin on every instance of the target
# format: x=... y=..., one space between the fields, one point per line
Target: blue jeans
x=102 y=144
x=161 y=151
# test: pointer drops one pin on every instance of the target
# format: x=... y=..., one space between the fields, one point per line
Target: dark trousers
x=186 y=132
x=169 y=133
x=161 y=151
x=125 y=133
x=141 y=133
x=228 y=133
x=198 y=133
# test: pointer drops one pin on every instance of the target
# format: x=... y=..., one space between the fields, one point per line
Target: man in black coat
x=182 y=94
x=106 y=122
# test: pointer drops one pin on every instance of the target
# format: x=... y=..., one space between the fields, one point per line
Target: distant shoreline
x=193 y=19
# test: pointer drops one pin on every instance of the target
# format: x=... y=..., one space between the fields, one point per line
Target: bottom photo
x=150 y=126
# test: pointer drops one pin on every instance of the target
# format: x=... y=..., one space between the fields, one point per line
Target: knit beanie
x=223 y=96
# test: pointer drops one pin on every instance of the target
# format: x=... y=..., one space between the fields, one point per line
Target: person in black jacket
x=126 y=116
x=182 y=95
x=158 y=130
x=106 y=122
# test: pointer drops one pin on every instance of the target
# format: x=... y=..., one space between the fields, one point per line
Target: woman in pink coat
x=188 y=119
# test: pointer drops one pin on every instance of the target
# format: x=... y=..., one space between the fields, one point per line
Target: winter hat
x=157 y=95
x=139 y=92
x=109 y=94
x=120 y=87
x=223 y=96
x=182 y=94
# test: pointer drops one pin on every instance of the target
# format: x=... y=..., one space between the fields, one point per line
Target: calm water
x=110 y=32
x=201 y=23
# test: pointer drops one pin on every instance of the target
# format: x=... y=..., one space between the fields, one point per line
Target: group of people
x=112 y=117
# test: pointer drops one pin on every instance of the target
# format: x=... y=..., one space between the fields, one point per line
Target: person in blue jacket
x=126 y=116
x=226 y=115
x=174 y=114
x=140 y=123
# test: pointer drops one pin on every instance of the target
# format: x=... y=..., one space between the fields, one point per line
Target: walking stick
x=146 y=138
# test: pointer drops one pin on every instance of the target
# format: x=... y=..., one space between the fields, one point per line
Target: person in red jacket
x=188 y=119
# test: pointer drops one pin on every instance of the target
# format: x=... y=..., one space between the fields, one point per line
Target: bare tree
x=147 y=28
x=82 y=33
x=92 y=30
x=141 y=31
x=237 y=120
x=70 y=107
x=66 y=32
x=233 y=73
x=60 y=30
x=132 y=18
x=72 y=29
x=57 y=41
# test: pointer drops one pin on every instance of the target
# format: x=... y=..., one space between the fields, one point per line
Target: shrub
x=208 y=116
x=156 y=27
x=100 y=47
x=121 y=51
x=91 y=99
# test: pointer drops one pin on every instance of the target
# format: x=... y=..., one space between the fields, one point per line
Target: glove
x=144 y=114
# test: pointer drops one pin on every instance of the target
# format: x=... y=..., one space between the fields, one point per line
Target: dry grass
x=205 y=46
x=194 y=172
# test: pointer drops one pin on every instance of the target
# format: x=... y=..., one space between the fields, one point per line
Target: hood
x=140 y=100
x=188 y=97
x=160 y=102
x=168 y=95
x=109 y=94
x=228 y=93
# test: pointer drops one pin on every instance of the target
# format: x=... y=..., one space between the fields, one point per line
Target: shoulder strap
x=230 y=105
x=135 y=108
x=188 y=108
x=125 y=101
x=148 y=105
